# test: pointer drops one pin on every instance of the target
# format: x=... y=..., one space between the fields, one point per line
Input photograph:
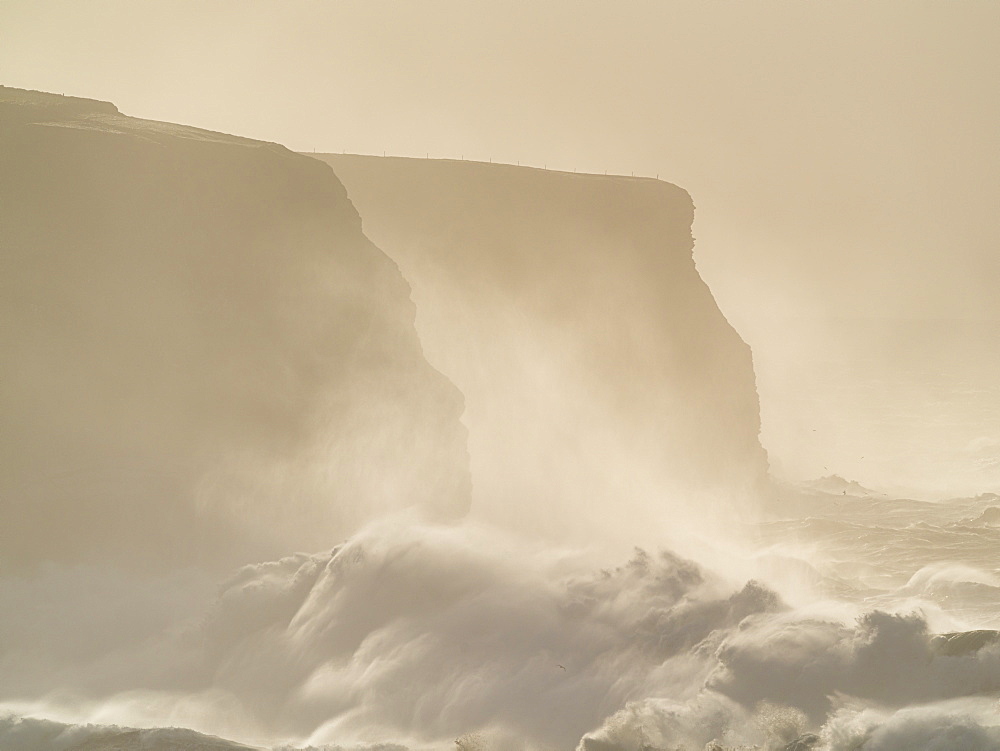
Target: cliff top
x=22 y=106
x=499 y=172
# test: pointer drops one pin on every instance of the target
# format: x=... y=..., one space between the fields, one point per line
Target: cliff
x=203 y=357
x=597 y=368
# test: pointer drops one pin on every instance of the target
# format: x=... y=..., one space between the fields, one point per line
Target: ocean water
x=871 y=550
x=845 y=620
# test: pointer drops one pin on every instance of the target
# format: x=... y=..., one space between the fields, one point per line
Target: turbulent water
x=848 y=620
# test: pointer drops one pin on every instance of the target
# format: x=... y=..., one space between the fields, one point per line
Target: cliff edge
x=599 y=373
x=203 y=357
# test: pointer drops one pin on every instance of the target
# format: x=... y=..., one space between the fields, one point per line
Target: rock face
x=594 y=360
x=203 y=357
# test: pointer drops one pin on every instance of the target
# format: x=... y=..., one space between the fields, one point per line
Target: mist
x=568 y=311
x=501 y=377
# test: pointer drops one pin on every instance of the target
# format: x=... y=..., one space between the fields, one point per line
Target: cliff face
x=568 y=309
x=203 y=357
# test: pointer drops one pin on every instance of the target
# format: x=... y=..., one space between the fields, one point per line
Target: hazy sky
x=848 y=147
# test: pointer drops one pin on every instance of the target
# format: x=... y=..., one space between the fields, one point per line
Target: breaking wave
x=423 y=637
